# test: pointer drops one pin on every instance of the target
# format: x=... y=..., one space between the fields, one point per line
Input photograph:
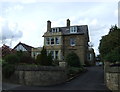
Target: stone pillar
x=68 y=23
x=63 y=64
x=48 y=25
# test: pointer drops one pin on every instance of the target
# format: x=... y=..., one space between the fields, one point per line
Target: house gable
x=23 y=47
x=20 y=47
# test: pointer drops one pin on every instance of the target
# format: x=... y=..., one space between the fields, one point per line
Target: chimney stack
x=68 y=23
x=48 y=25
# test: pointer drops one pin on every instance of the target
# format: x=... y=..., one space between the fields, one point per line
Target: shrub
x=73 y=60
x=73 y=71
x=114 y=55
x=108 y=44
x=7 y=69
x=49 y=58
x=25 y=57
x=12 y=59
x=43 y=59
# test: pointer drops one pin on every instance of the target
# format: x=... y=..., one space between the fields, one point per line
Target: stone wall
x=112 y=77
x=39 y=75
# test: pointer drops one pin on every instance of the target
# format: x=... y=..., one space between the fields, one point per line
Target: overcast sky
x=27 y=21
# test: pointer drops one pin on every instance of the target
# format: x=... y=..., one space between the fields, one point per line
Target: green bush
x=12 y=59
x=7 y=69
x=25 y=57
x=43 y=59
x=50 y=60
x=73 y=60
x=109 y=46
x=72 y=71
x=113 y=56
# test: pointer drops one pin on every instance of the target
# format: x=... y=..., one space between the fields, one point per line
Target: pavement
x=92 y=80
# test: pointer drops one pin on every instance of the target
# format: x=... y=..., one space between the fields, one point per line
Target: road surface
x=92 y=80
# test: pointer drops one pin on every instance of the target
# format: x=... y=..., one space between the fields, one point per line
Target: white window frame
x=73 y=29
x=48 y=41
x=52 y=41
x=57 y=39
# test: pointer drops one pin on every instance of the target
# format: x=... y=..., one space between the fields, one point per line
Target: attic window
x=55 y=30
x=73 y=29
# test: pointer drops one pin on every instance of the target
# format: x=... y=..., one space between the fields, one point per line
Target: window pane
x=57 y=29
x=47 y=41
x=73 y=29
x=72 y=42
x=52 y=40
x=52 y=53
x=57 y=41
x=56 y=54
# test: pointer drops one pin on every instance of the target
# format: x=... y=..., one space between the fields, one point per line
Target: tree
x=43 y=59
x=109 y=45
x=73 y=60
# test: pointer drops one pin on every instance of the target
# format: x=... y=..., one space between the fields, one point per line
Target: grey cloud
x=8 y=33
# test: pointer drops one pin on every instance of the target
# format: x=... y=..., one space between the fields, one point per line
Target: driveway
x=92 y=80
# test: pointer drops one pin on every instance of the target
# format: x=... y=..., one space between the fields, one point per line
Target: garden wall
x=112 y=77
x=39 y=75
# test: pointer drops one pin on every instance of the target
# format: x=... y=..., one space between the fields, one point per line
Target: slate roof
x=81 y=29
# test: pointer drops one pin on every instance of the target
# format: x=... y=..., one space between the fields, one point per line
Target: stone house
x=59 y=41
x=91 y=56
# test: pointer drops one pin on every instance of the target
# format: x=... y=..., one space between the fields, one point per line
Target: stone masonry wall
x=40 y=75
x=112 y=77
x=79 y=48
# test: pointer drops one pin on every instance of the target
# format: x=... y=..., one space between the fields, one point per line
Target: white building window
x=73 y=29
x=47 y=41
x=72 y=42
x=57 y=40
x=55 y=30
x=52 y=41
x=52 y=54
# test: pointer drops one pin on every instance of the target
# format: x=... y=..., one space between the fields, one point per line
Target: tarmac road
x=92 y=80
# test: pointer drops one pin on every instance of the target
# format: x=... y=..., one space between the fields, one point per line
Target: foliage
x=43 y=59
x=109 y=43
x=114 y=56
x=8 y=70
x=1 y=60
x=19 y=57
x=73 y=60
x=9 y=62
x=25 y=57
x=73 y=71
x=12 y=59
